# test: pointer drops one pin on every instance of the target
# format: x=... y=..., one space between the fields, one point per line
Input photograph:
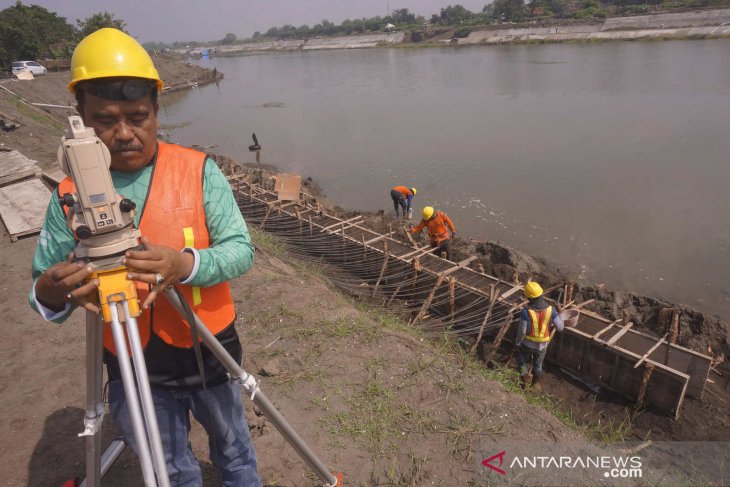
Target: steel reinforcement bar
x=445 y=297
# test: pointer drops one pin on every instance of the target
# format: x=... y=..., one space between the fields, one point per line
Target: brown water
x=611 y=158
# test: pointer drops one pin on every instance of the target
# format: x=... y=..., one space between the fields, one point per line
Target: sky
x=204 y=20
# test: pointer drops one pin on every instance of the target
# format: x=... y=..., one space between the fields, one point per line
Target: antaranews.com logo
x=529 y=463
x=611 y=466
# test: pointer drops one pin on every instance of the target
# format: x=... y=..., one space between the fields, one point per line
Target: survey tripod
x=103 y=223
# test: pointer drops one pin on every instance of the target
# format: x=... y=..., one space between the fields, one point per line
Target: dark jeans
x=398 y=200
x=219 y=409
x=442 y=247
x=527 y=356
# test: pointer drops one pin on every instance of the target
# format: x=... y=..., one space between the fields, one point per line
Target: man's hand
x=64 y=283
x=156 y=261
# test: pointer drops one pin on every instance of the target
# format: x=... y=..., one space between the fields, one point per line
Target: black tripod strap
x=190 y=318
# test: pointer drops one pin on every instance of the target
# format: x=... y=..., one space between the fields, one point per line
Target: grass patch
x=37 y=116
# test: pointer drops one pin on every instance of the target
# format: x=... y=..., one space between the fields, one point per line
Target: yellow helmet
x=413 y=190
x=533 y=290
x=427 y=212
x=108 y=53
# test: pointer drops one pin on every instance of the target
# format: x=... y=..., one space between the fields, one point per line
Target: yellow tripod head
x=101 y=219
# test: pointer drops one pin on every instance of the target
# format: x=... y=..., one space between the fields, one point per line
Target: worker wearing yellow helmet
x=536 y=322
x=194 y=239
x=440 y=228
x=402 y=197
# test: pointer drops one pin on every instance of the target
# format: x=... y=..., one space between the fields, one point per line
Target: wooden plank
x=648 y=352
x=344 y=222
x=604 y=330
x=376 y=239
x=54 y=175
x=411 y=254
x=513 y=290
x=620 y=333
x=584 y=303
x=288 y=186
x=15 y=167
x=23 y=207
x=467 y=261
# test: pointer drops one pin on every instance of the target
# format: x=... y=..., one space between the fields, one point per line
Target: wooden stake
x=492 y=299
x=268 y=210
x=299 y=219
x=427 y=302
x=644 y=383
x=396 y=292
x=673 y=332
x=452 y=295
x=311 y=227
x=409 y=237
x=500 y=335
x=382 y=269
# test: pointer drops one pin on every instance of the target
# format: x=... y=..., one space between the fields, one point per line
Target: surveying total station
x=103 y=224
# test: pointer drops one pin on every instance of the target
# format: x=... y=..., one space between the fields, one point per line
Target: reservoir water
x=613 y=159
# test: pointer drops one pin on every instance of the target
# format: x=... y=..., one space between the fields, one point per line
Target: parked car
x=32 y=66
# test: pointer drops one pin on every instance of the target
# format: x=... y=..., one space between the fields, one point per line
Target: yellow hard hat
x=413 y=190
x=427 y=212
x=109 y=53
x=533 y=290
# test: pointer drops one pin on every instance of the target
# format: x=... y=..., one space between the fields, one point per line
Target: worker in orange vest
x=438 y=225
x=403 y=197
x=537 y=319
x=195 y=239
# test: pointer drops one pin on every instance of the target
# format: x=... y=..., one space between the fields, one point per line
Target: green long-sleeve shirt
x=230 y=253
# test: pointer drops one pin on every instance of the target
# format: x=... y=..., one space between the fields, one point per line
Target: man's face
x=127 y=128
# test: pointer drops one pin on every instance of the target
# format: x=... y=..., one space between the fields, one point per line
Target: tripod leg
x=248 y=382
x=94 y=405
x=130 y=391
x=145 y=394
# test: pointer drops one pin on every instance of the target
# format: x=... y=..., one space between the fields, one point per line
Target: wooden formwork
x=651 y=372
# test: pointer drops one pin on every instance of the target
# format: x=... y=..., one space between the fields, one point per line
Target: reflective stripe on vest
x=174 y=216
x=540 y=324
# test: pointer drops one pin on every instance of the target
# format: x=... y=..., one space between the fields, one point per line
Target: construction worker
x=403 y=198
x=437 y=222
x=194 y=238
x=537 y=320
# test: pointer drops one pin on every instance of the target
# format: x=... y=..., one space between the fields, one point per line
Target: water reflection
x=611 y=158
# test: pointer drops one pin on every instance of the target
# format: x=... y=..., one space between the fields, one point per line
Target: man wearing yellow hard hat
x=438 y=225
x=402 y=197
x=537 y=320
x=194 y=238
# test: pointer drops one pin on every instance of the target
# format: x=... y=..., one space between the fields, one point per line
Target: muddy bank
x=698 y=331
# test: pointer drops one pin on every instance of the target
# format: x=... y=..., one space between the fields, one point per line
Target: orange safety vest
x=540 y=325
x=174 y=216
x=406 y=192
x=436 y=227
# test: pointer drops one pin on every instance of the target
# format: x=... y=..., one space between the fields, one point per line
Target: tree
x=402 y=16
x=32 y=32
x=98 y=21
x=455 y=14
x=507 y=10
x=228 y=39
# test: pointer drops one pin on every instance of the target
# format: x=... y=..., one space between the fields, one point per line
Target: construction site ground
x=372 y=397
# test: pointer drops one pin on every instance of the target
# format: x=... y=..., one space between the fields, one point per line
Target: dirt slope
x=365 y=392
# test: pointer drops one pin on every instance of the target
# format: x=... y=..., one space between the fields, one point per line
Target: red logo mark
x=487 y=462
